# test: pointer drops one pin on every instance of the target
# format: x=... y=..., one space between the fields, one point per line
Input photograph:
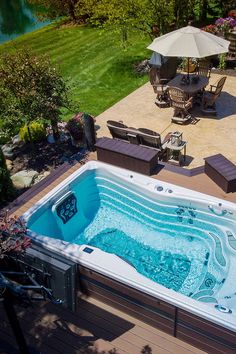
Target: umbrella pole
x=188 y=68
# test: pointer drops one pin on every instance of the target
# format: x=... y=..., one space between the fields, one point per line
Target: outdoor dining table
x=191 y=88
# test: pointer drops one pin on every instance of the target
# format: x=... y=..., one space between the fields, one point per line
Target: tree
x=124 y=15
x=31 y=88
x=14 y=19
x=214 y=8
x=52 y=9
x=183 y=12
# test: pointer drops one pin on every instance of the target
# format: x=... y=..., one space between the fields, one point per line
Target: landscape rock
x=9 y=164
x=16 y=140
x=63 y=159
x=8 y=152
x=142 y=67
x=41 y=176
x=24 y=178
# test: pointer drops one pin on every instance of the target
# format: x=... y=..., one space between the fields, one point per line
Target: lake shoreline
x=17 y=19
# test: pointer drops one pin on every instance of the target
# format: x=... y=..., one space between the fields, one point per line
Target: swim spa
x=158 y=249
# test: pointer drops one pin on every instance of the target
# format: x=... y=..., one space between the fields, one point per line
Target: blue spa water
x=170 y=244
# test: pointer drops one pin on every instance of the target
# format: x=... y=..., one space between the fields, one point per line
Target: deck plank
x=172 y=344
x=95 y=328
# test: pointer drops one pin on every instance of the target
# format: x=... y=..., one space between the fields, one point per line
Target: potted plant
x=210 y=29
x=189 y=65
x=225 y=25
x=75 y=127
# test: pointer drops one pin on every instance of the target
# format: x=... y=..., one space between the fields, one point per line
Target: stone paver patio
x=208 y=136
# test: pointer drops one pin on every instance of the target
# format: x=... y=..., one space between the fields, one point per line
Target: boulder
x=41 y=176
x=24 y=178
x=142 y=67
x=9 y=164
x=8 y=152
x=16 y=140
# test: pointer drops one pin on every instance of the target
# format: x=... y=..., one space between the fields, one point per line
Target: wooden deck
x=95 y=329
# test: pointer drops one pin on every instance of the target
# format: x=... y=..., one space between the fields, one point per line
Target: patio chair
x=203 y=71
x=118 y=130
x=159 y=77
x=181 y=104
x=153 y=140
x=162 y=98
x=209 y=97
x=158 y=84
x=204 y=67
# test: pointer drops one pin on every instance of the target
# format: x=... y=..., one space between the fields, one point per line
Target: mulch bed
x=42 y=156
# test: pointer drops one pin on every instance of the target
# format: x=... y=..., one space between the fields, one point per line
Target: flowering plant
x=210 y=28
x=75 y=126
x=232 y=13
x=12 y=236
x=225 y=24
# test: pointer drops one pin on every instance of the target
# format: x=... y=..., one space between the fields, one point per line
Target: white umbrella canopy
x=189 y=42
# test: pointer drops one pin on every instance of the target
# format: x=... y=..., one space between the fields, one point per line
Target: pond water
x=16 y=18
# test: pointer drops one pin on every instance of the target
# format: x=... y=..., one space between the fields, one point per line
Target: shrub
x=13 y=239
x=6 y=186
x=222 y=61
x=210 y=29
x=224 y=25
x=232 y=13
x=37 y=132
x=75 y=126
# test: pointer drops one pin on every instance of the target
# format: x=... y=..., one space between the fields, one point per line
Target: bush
x=222 y=61
x=75 y=126
x=6 y=186
x=13 y=236
x=37 y=131
x=224 y=25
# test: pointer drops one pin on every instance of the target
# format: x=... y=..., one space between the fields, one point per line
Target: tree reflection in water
x=17 y=17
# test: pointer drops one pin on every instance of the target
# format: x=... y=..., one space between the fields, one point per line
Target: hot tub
x=164 y=252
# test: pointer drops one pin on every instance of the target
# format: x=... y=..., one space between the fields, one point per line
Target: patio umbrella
x=189 y=42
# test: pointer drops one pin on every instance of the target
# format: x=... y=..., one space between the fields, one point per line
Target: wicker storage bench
x=123 y=154
x=222 y=172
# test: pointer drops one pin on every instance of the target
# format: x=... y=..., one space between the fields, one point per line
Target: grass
x=97 y=68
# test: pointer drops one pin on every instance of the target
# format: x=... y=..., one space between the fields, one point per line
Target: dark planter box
x=123 y=154
x=222 y=172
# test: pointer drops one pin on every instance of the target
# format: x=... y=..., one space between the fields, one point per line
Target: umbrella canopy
x=189 y=42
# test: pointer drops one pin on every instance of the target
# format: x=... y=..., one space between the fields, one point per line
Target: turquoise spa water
x=176 y=246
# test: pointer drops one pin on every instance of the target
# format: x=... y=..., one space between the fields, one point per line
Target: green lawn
x=99 y=71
